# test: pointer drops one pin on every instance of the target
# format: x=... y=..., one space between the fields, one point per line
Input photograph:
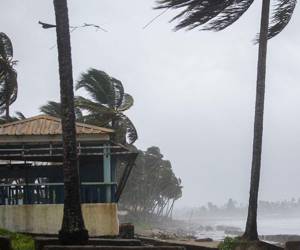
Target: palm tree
x=107 y=104
x=217 y=15
x=8 y=76
x=53 y=108
x=73 y=230
x=17 y=117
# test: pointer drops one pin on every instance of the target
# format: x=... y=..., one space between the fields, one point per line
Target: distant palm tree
x=73 y=230
x=54 y=109
x=17 y=117
x=107 y=104
x=217 y=15
x=8 y=76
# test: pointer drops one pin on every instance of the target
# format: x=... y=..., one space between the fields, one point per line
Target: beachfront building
x=31 y=176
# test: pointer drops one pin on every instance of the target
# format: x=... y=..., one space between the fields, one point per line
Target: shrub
x=228 y=243
x=19 y=241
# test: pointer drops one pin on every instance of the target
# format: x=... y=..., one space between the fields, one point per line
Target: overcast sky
x=194 y=91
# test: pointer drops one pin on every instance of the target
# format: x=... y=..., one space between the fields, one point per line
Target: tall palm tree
x=107 y=104
x=217 y=15
x=73 y=230
x=8 y=76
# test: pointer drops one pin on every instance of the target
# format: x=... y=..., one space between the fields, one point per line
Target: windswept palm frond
x=20 y=115
x=118 y=92
x=8 y=75
x=230 y=15
x=98 y=85
x=214 y=14
x=8 y=88
x=127 y=102
x=281 y=17
x=92 y=107
x=6 y=48
x=51 y=108
x=98 y=119
x=125 y=124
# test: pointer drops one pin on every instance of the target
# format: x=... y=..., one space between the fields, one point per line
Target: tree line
x=231 y=209
x=152 y=188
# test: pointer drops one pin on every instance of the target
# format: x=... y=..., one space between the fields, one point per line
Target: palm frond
x=230 y=15
x=125 y=124
x=127 y=102
x=6 y=48
x=51 y=108
x=13 y=86
x=98 y=85
x=281 y=16
x=20 y=115
x=101 y=120
x=214 y=14
x=90 y=106
x=3 y=119
x=8 y=87
x=118 y=92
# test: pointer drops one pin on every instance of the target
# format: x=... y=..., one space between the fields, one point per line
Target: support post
x=107 y=171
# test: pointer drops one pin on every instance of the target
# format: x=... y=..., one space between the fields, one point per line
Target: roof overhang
x=47 y=129
x=29 y=139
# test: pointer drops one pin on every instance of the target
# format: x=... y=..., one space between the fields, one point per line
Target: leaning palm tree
x=107 y=103
x=8 y=76
x=73 y=230
x=217 y=15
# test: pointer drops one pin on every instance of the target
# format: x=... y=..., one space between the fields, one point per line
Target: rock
x=256 y=245
x=204 y=240
x=292 y=245
x=5 y=243
x=126 y=231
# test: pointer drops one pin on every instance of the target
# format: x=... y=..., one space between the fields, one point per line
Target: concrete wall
x=100 y=218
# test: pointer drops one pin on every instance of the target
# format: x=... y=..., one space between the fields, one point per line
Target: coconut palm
x=8 y=76
x=72 y=230
x=217 y=15
x=107 y=103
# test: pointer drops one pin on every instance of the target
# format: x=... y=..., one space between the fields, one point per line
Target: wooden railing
x=53 y=193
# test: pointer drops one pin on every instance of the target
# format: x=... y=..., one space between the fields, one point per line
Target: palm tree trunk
x=251 y=226
x=73 y=230
x=7 y=116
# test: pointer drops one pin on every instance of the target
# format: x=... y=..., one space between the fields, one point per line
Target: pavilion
x=31 y=176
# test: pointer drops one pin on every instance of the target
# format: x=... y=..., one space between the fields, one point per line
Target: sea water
x=265 y=226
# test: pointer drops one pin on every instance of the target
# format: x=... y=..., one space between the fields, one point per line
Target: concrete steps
x=112 y=248
x=41 y=242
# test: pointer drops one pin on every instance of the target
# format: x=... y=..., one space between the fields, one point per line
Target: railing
x=57 y=151
x=53 y=193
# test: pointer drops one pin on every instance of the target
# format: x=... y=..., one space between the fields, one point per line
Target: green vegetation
x=8 y=76
x=228 y=243
x=152 y=187
x=19 y=241
x=105 y=105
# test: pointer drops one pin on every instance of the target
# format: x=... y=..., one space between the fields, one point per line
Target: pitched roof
x=46 y=125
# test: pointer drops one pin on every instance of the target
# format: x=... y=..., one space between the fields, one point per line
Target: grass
x=19 y=241
x=229 y=243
